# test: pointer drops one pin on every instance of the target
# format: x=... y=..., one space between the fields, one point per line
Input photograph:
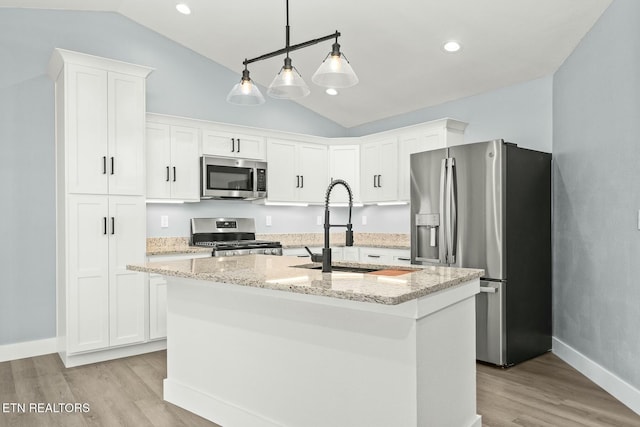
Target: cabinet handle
x=374 y=181
x=113 y=225
x=174 y=174
x=233 y=145
x=113 y=168
x=373 y=256
x=301 y=181
x=238 y=145
x=104 y=165
x=168 y=174
x=379 y=181
x=404 y=259
x=104 y=218
x=297 y=181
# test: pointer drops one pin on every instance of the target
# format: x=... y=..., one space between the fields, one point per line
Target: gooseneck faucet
x=326 y=250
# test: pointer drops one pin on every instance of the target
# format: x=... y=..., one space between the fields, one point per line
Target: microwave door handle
x=442 y=253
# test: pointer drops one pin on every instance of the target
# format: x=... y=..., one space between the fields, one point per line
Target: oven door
x=229 y=179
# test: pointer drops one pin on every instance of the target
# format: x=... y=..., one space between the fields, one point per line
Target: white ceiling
x=394 y=47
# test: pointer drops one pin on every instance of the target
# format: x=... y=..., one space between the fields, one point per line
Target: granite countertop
x=180 y=245
x=280 y=273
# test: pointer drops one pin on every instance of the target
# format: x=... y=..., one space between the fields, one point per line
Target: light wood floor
x=128 y=392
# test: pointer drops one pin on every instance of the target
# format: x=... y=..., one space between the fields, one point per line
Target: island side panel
x=447 y=366
x=241 y=356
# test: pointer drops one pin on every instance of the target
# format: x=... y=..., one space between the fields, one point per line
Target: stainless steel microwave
x=225 y=178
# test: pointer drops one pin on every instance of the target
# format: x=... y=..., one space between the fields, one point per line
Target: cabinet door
x=312 y=168
x=126 y=120
x=88 y=273
x=157 y=307
x=127 y=245
x=158 y=161
x=388 y=175
x=282 y=179
x=344 y=163
x=218 y=143
x=185 y=167
x=369 y=163
x=414 y=143
x=86 y=129
x=250 y=147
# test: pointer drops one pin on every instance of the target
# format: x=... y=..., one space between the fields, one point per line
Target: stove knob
x=274 y=252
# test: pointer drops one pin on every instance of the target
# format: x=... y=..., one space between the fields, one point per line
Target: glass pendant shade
x=245 y=92
x=288 y=83
x=336 y=72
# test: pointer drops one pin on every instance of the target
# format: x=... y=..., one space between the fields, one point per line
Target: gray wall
x=596 y=124
x=520 y=113
x=184 y=84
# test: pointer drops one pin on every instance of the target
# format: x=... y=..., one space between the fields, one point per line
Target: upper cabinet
x=424 y=137
x=104 y=108
x=237 y=145
x=344 y=163
x=379 y=170
x=297 y=171
x=173 y=163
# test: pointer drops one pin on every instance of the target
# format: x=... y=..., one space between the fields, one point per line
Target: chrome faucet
x=325 y=258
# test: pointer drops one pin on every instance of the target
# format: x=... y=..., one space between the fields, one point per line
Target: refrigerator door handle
x=452 y=211
x=444 y=224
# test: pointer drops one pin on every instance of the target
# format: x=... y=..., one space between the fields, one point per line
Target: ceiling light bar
x=334 y=72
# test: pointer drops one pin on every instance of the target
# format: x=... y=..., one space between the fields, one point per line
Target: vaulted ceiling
x=394 y=47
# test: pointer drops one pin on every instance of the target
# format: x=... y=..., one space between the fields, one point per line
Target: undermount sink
x=341 y=268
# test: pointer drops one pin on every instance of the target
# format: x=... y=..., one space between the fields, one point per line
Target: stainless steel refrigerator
x=488 y=205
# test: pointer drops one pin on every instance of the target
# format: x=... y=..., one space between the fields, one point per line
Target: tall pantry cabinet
x=100 y=206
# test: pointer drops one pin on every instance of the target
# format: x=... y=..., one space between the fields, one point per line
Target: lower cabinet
x=358 y=254
x=105 y=303
x=158 y=295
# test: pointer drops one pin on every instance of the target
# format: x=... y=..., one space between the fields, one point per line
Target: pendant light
x=245 y=92
x=288 y=83
x=334 y=72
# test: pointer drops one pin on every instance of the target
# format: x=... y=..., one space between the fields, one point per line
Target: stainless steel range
x=230 y=237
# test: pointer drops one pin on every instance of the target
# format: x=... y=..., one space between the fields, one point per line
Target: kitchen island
x=263 y=340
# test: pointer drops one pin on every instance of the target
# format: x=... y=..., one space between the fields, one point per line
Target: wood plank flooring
x=128 y=392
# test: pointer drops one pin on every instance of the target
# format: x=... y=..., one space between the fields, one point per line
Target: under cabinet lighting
x=168 y=201
x=304 y=205
x=331 y=91
x=392 y=203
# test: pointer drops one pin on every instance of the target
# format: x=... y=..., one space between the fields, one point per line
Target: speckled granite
x=180 y=245
x=172 y=245
x=376 y=240
x=280 y=273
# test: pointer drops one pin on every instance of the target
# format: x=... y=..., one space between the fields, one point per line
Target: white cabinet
x=344 y=163
x=297 y=172
x=106 y=302
x=104 y=132
x=100 y=205
x=158 y=295
x=429 y=136
x=227 y=144
x=379 y=170
x=387 y=256
x=173 y=169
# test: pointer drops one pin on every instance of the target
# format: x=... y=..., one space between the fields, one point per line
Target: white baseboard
x=28 y=349
x=614 y=385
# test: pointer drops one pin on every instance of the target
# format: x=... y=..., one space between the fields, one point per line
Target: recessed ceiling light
x=451 y=46
x=331 y=91
x=183 y=8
